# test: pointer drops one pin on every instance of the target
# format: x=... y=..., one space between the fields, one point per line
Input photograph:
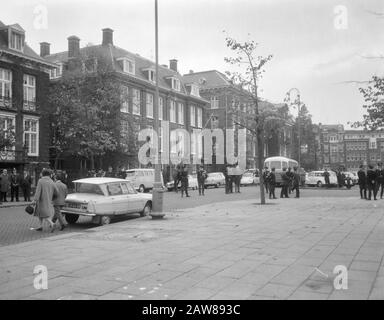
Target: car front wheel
x=105 y=220
x=147 y=210
x=319 y=184
x=71 y=218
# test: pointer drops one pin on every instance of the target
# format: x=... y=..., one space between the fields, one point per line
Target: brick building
x=24 y=80
x=179 y=103
x=348 y=149
x=228 y=104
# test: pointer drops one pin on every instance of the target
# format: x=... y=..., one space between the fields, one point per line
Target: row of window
x=29 y=88
x=30 y=131
x=176 y=108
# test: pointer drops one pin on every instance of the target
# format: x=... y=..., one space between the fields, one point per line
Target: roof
x=141 y=64
x=28 y=52
x=208 y=79
x=99 y=180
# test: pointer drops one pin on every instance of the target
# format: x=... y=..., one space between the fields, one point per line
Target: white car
x=192 y=183
x=103 y=198
x=247 y=178
x=316 y=178
x=215 y=179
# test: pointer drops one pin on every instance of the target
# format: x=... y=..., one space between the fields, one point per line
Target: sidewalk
x=237 y=250
x=10 y=204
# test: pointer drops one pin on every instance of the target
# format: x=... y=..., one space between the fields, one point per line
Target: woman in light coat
x=46 y=192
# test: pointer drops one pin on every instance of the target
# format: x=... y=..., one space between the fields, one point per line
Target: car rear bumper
x=79 y=213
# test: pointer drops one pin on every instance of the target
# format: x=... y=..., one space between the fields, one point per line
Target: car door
x=117 y=198
x=133 y=199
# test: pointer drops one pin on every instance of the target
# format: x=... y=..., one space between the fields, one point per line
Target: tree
x=374 y=105
x=248 y=80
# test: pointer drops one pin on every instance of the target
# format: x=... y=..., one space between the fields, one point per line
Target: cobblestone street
x=227 y=250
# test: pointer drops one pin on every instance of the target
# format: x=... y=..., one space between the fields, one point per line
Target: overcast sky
x=317 y=46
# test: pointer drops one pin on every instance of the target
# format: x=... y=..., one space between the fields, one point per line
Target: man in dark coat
x=285 y=184
x=184 y=181
x=290 y=175
x=15 y=183
x=371 y=182
x=362 y=182
x=110 y=173
x=296 y=182
x=271 y=184
x=380 y=180
x=326 y=178
x=25 y=184
x=201 y=177
x=265 y=179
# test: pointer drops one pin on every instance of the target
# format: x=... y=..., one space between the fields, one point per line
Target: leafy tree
x=374 y=105
x=252 y=68
x=7 y=135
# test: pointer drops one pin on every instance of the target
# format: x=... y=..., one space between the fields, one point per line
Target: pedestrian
x=265 y=179
x=176 y=179
x=272 y=184
x=290 y=175
x=237 y=178
x=296 y=182
x=381 y=180
x=110 y=173
x=326 y=178
x=371 y=182
x=201 y=177
x=46 y=192
x=26 y=183
x=184 y=181
x=4 y=185
x=15 y=183
x=285 y=184
x=362 y=182
x=59 y=201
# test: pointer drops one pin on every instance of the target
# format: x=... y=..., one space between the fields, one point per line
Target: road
x=15 y=224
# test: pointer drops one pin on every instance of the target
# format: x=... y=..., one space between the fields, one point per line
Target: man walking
x=326 y=178
x=59 y=201
x=4 y=185
x=380 y=179
x=15 y=183
x=272 y=183
x=362 y=182
x=296 y=182
x=184 y=181
x=25 y=184
x=290 y=175
x=201 y=177
x=371 y=182
x=285 y=184
x=265 y=179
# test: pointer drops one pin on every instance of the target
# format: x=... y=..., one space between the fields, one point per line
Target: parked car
x=103 y=198
x=142 y=179
x=316 y=178
x=247 y=179
x=215 y=179
x=353 y=176
x=192 y=183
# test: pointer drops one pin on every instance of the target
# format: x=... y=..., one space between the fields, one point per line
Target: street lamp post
x=157 y=192
x=297 y=101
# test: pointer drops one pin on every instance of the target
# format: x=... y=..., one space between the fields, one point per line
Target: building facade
x=180 y=103
x=24 y=81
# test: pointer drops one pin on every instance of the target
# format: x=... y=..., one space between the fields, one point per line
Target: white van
x=142 y=179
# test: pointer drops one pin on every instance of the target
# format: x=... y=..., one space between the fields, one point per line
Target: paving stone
x=276 y=291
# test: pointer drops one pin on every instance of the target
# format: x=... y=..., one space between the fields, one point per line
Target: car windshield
x=130 y=173
x=276 y=164
x=88 y=188
x=248 y=174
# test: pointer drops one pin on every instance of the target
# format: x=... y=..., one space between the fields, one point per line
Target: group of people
x=110 y=173
x=371 y=180
x=181 y=176
x=13 y=183
x=49 y=199
x=290 y=182
x=232 y=176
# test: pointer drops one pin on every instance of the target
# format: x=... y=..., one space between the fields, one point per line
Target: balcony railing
x=6 y=102
x=12 y=156
x=29 y=105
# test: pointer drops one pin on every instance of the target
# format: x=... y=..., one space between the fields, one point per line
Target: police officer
x=362 y=182
x=326 y=178
x=290 y=175
x=265 y=179
x=296 y=182
x=201 y=177
x=272 y=183
x=285 y=184
x=371 y=182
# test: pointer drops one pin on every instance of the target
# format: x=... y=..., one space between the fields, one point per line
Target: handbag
x=30 y=209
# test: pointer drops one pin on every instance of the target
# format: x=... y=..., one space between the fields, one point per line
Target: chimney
x=107 y=36
x=173 y=64
x=190 y=71
x=73 y=47
x=44 y=49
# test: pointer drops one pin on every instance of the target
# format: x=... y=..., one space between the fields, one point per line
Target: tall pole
x=298 y=130
x=157 y=192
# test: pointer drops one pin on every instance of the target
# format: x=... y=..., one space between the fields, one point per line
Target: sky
x=326 y=49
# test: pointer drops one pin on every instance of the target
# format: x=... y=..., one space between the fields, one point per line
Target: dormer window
x=195 y=91
x=150 y=73
x=16 y=41
x=127 y=65
x=176 y=84
x=56 y=72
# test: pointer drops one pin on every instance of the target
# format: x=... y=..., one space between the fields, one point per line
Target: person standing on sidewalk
x=272 y=184
x=46 y=192
x=184 y=181
x=371 y=182
x=285 y=184
x=201 y=177
x=25 y=184
x=59 y=201
x=362 y=182
x=4 y=185
x=15 y=183
x=290 y=175
x=265 y=179
x=296 y=182
x=379 y=179
x=326 y=178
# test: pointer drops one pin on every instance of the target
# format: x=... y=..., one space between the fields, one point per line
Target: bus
x=282 y=162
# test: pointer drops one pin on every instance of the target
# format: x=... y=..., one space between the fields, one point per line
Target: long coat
x=46 y=191
x=4 y=183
